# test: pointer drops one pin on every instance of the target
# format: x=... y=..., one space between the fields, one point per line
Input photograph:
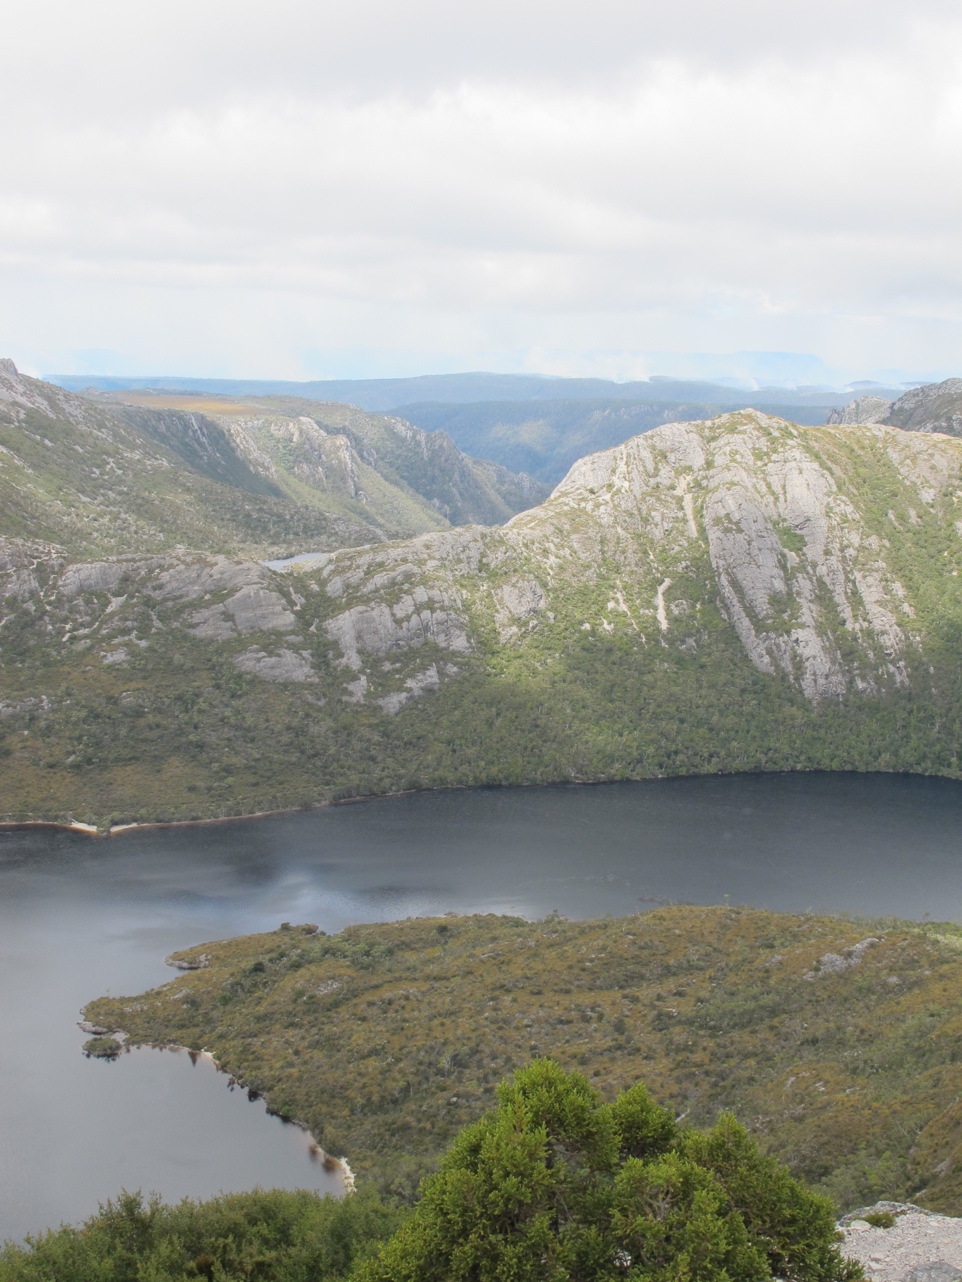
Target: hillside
x=383 y=470
x=934 y=407
x=75 y=475
x=96 y=477
x=619 y=630
x=836 y=1042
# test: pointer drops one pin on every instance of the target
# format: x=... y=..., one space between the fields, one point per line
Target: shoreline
x=91 y=830
x=330 y=1163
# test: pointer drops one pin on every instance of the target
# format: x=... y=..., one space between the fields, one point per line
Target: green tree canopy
x=554 y=1185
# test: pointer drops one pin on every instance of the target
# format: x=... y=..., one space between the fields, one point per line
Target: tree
x=554 y=1185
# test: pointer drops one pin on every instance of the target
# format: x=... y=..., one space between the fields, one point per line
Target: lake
x=80 y=917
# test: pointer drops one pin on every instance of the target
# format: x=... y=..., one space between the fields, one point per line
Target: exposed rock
x=252 y=609
x=415 y=686
x=418 y=617
x=921 y=1246
x=937 y=1271
x=837 y=964
x=864 y=409
x=518 y=601
x=95 y=576
x=936 y=407
x=20 y=707
x=285 y=665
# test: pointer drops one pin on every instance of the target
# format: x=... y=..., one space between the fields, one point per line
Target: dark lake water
x=80 y=917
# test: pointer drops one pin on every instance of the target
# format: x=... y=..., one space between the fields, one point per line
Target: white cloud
x=203 y=187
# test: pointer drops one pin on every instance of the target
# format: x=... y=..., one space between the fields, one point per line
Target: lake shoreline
x=91 y=830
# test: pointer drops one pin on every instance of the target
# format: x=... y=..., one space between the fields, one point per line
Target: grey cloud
x=497 y=179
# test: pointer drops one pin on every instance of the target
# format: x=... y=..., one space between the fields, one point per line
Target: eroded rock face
x=517 y=605
x=936 y=407
x=745 y=516
x=414 y=619
x=285 y=665
x=251 y=609
x=864 y=409
x=793 y=564
x=782 y=541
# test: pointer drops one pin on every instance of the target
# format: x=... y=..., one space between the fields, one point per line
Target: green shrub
x=273 y=1236
x=555 y=1184
x=880 y=1219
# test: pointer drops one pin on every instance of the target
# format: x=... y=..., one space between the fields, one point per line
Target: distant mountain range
x=469 y=388
x=524 y=422
x=741 y=593
x=544 y=438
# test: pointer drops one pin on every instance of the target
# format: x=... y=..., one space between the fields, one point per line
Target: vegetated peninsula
x=838 y=1043
x=736 y=594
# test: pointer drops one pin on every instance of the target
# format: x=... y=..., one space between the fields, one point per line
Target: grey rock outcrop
x=864 y=409
x=415 y=618
x=285 y=665
x=935 y=407
x=920 y=1246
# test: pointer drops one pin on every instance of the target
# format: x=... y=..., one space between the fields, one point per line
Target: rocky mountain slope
x=735 y=594
x=382 y=469
x=93 y=477
x=935 y=407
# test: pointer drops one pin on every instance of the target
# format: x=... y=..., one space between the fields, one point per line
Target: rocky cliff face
x=864 y=409
x=937 y=407
x=740 y=514
x=381 y=470
x=741 y=593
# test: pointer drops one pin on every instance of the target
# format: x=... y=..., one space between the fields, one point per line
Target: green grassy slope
x=846 y=1061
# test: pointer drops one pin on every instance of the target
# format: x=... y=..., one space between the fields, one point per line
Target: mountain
x=92 y=476
x=545 y=437
x=864 y=409
x=736 y=594
x=469 y=388
x=387 y=471
x=934 y=407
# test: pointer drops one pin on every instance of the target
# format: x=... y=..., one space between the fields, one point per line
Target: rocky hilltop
x=934 y=407
x=741 y=593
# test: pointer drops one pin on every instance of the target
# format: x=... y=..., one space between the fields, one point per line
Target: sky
x=364 y=188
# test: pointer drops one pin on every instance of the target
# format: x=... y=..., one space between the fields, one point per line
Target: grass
x=387 y=1039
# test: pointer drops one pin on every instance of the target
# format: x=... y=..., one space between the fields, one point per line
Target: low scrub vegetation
x=838 y=1043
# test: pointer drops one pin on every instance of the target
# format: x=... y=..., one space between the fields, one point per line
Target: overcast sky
x=347 y=188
